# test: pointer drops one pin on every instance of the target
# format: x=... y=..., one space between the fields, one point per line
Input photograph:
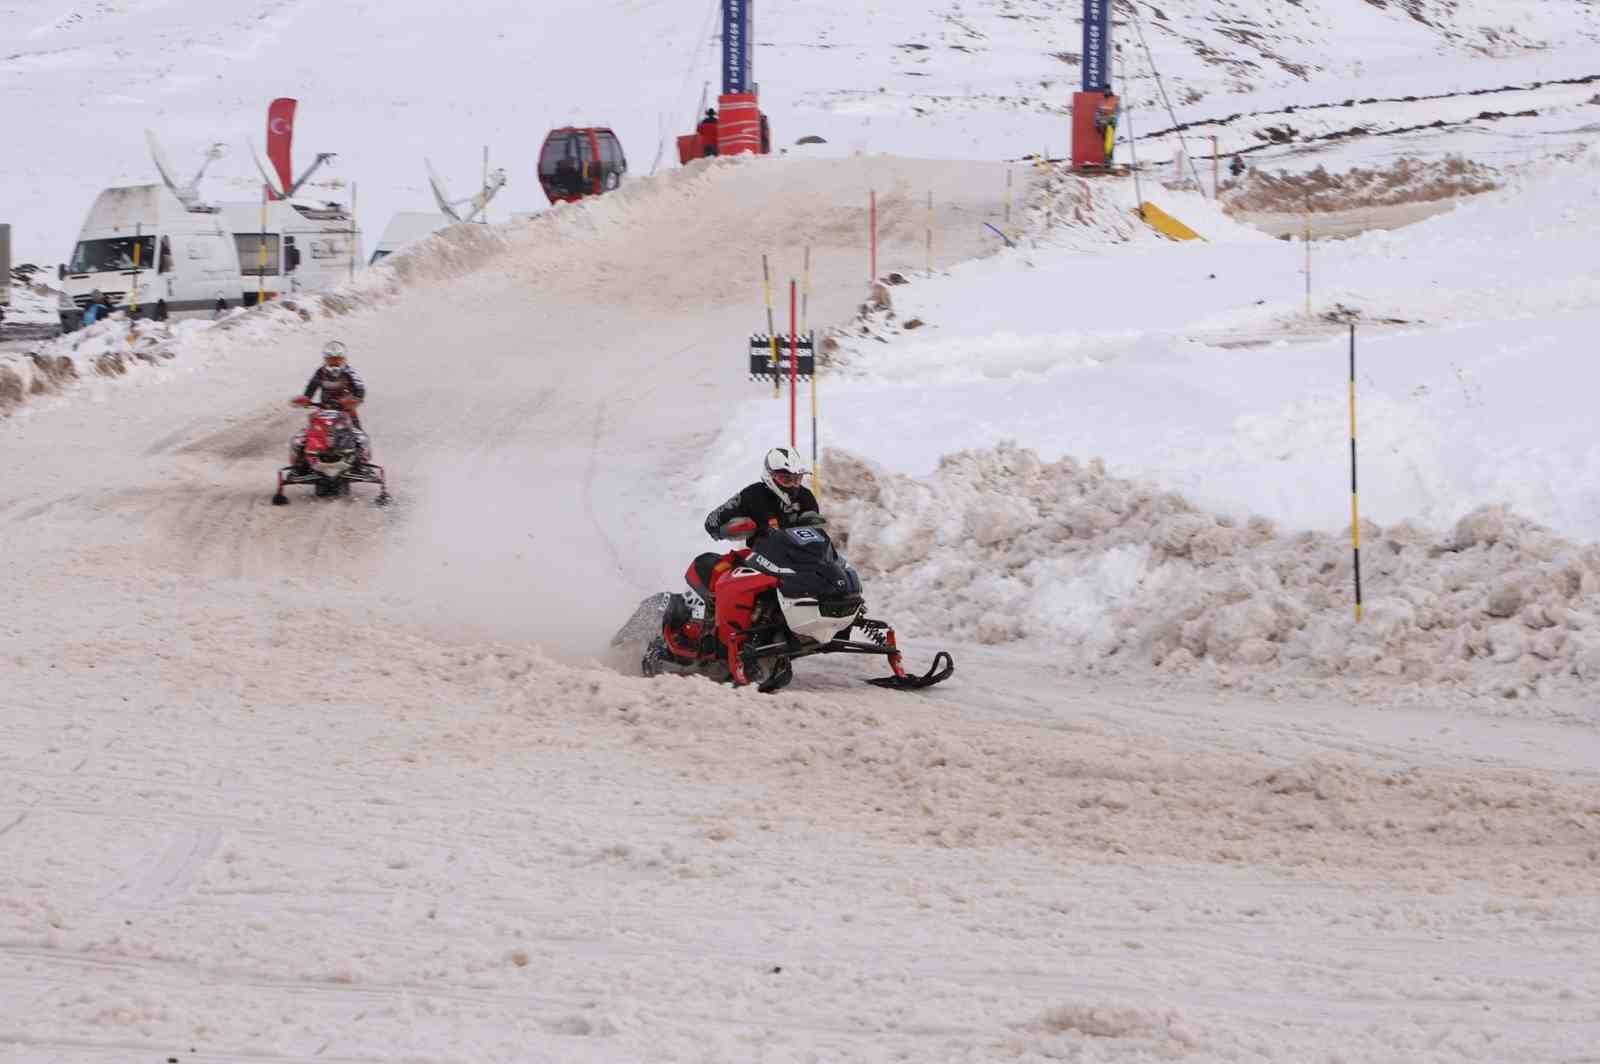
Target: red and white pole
x=794 y=364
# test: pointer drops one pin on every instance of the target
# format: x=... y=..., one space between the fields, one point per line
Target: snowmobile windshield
x=113 y=255
x=806 y=564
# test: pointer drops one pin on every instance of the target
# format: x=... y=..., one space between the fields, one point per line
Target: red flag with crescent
x=280 y=140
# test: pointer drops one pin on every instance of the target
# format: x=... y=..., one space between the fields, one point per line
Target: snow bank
x=998 y=546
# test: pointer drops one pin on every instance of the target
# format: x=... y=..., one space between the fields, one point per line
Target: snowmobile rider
x=337 y=380
x=777 y=500
x=341 y=388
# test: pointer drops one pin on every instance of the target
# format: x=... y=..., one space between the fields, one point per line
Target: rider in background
x=341 y=388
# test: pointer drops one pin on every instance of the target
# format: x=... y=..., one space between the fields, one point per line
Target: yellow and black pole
x=1355 y=498
x=138 y=241
x=261 y=256
x=772 y=332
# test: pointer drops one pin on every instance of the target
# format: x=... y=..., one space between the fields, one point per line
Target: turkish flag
x=280 y=139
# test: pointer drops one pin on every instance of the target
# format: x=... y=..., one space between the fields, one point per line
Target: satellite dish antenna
x=492 y=183
x=272 y=182
x=188 y=194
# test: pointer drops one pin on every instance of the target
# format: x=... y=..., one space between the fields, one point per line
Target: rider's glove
x=810 y=519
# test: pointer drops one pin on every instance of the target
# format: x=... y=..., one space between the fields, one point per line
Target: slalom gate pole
x=1355 y=498
x=772 y=330
x=1308 y=256
x=794 y=364
x=805 y=289
x=1133 y=141
x=930 y=233
x=354 y=201
x=261 y=258
x=1049 y=191
x=816 y=371
x=1216 y=169
x=138 y=239
x=1008 y=203
x=872 y=214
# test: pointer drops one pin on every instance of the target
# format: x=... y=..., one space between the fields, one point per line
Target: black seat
x=700 y=570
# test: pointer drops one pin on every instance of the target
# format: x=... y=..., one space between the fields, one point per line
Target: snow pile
x=106 y=349
x=1406 y=180
x=998 y=546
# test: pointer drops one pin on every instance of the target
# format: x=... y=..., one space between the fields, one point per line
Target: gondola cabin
x=580 y=162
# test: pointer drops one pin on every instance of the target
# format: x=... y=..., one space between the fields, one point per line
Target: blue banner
x=736 y=46
x=1096 y=45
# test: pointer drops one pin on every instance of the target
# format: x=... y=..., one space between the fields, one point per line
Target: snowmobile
x=331 y=455
x=789 y=595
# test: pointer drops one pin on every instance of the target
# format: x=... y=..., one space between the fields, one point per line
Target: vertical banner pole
x=138 y=239
x=1216 y=169
x=794 y=365
x=872 y=215
x=930 y=233
x=1355 y=498
x=261 y=258
x=772 y=330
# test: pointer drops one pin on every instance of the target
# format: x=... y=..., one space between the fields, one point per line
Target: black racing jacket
x=335 y=384
x=763 y=506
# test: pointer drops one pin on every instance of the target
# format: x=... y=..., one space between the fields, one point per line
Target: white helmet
x=334 y=350
x=782 y=471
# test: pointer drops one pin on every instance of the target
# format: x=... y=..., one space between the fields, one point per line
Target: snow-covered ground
x=387 y=84
x=330 y=782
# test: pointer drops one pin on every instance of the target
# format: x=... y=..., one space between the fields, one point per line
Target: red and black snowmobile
x=747 y=616
x=330 y=459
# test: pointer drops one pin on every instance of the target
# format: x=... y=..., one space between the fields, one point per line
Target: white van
x=404 y=228
x=141 y=246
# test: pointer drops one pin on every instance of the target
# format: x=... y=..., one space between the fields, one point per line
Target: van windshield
x=113 y=254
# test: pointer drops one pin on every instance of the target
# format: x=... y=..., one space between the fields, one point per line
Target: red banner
x=280 y=139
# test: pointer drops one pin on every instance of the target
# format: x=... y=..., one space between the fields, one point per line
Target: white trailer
x=143 y=246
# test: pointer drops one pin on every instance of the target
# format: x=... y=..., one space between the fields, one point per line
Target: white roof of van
x=407 y=226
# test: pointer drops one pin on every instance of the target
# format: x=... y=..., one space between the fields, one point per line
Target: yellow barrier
x=1166 y=224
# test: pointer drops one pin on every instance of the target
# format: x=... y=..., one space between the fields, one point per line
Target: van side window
x=165 y=265
x=249 y=246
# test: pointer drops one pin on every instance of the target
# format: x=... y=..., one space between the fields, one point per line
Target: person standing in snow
x=98 y=308
x=1236 y=167
x=708 y=133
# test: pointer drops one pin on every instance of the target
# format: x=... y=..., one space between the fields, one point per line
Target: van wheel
x=613 y=179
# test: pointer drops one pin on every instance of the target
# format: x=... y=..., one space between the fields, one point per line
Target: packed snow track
x=339 y=783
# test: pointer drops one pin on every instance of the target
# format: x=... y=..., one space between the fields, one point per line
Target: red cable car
x=580 y=162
